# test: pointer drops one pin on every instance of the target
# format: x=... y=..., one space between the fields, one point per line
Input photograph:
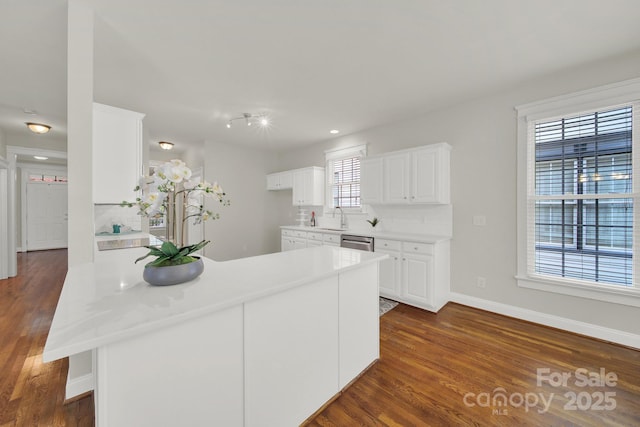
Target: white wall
x=29 y=139
x=249 y=226
x=3 y=144
x=483 y=169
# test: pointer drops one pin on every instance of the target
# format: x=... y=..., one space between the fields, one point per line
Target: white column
x=80 y=125
x=79 y=148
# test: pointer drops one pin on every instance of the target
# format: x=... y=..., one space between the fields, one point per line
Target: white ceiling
x=312 y=66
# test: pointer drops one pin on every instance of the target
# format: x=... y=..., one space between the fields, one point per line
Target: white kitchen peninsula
x=262 y=341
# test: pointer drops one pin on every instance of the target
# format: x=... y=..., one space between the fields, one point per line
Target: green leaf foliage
x=169 y=254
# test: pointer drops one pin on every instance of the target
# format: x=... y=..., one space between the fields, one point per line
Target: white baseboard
x=578 y=327
x=79 y=385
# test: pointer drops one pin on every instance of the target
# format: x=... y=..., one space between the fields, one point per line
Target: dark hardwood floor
x=433 y=368
x=445 y=370
x=32 y=392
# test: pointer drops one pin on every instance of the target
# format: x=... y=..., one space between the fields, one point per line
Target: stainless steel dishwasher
x=363 y=243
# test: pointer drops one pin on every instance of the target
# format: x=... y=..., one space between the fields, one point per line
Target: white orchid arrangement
x=170 y=190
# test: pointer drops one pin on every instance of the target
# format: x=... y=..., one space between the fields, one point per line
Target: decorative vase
x=173 y=274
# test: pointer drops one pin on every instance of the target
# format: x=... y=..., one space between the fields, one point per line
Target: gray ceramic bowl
x=173 y=274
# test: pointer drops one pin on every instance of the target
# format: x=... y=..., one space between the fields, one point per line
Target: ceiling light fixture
x=334 y=131
x=250 y=119
x=38 y=128
x=165 y=145
x=40 y=157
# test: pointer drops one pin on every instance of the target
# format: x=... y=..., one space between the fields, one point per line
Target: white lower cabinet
x=415 y=273
x=295 y=239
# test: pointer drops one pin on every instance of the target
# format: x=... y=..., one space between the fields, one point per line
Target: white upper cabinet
x=117 y=153
x=280 y=181
x=419 y=175
x=308 y=186
x=371 y=180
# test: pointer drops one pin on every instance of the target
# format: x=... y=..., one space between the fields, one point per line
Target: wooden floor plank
x=32 y=392
x=430 y=362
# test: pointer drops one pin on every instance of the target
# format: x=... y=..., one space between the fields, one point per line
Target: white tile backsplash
x=107 y=215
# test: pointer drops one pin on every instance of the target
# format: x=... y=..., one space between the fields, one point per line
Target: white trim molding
x=79 y=385
x=595 y=331
x=5 y=255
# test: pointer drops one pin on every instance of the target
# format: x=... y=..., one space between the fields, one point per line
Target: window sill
x=606 y=293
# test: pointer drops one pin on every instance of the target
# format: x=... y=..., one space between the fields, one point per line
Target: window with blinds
x=346 y=182
x=581 y=200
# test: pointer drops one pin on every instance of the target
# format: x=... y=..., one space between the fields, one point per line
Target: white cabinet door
x=371 y=173
x=417 y=280
x=273 y=181
x=280 y=181
x=298 y=243
x=286 y=244
x=291 y=354
x=286 y=180
x=390 y=273
x=308 y=187
x=300 y=180
x=117 y=153
x=425 y=173
x=396 y=178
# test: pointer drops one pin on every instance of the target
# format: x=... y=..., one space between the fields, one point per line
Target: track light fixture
x=251 y=119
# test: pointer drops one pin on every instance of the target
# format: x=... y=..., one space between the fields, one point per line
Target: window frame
x=331 y=156
x=626 y=92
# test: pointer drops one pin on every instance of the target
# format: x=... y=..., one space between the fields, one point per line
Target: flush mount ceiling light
x=40 y=157
x=165 y=145
x=38 y=128
x=251 y=119
x=334 y=131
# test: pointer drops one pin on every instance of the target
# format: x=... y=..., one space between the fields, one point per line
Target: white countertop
x=107 y=300
x=407 y=237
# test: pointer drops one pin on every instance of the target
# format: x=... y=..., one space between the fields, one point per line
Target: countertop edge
x=60 y=352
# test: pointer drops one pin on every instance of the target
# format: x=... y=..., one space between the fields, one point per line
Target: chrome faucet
x=343 y=222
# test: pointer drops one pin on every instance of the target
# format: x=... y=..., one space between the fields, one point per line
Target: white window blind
x=580 y=203
x=346 y=182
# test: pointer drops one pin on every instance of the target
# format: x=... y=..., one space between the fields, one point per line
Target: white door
x=47 y=220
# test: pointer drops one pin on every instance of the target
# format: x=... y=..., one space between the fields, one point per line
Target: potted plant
x=171 y=193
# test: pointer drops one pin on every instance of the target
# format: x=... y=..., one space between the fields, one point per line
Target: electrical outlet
x=480 y=220
x=481 y=282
